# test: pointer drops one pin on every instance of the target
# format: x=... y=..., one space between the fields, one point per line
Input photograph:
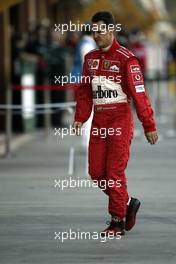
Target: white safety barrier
x=14 y=109
x=37 y=106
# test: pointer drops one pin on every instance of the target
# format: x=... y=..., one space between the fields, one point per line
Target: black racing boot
x=115 y=228
x=132 y=209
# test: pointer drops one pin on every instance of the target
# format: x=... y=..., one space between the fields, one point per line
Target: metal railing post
x=8 y=122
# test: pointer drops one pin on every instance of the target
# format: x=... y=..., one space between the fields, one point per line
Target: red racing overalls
x=115 y=77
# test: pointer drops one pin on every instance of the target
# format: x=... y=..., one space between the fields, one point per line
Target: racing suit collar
x=115 y=45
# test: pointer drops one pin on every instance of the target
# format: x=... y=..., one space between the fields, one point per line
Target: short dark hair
x=104 y=16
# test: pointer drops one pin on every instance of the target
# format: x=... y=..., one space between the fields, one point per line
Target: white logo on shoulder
x=140 y=88
x=135 y=68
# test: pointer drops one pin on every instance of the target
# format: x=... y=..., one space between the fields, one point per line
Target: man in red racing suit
x=115 y=76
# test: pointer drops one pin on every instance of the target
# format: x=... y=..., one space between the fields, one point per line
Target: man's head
x=103 y=28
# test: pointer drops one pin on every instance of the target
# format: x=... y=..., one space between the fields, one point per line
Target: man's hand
x=152 y=137
x=77 y=126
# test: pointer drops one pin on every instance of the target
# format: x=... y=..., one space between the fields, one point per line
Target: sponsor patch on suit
x=140 y=88
x=112 y=66
x=135 y=68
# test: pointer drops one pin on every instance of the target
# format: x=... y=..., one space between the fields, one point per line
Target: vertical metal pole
x=47 y=116
x=8 y=126
x=71 y=161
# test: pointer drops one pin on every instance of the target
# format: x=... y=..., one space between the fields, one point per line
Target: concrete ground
x=15 y=142
x=32 y=209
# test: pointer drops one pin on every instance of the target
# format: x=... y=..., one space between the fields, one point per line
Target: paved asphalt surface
x=32 y=209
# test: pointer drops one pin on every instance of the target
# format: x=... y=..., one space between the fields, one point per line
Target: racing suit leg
x=98 y=153
x=109 y=154
x=117 y=159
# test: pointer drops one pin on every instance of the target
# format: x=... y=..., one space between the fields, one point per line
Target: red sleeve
x=84 y=98
x=137 y=91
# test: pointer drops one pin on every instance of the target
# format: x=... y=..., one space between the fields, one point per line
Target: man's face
x=102 y=36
